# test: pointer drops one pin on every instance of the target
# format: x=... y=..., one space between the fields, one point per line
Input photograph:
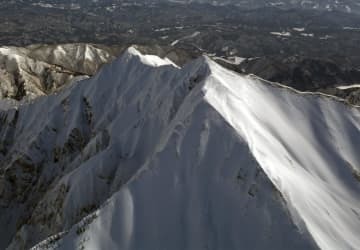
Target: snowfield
x=148 y=155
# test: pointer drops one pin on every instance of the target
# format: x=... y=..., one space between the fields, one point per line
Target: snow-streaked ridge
x=29 y=72
x=189 y=159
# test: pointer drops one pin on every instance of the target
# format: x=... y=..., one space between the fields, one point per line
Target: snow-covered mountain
x=148 y=155
x=41 y=69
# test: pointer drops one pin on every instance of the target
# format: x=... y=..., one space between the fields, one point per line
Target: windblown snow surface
x=147 y=155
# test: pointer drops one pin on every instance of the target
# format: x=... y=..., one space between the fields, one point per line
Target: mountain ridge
x=143 y=129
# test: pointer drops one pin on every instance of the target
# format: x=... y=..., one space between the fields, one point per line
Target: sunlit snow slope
x=147 y=155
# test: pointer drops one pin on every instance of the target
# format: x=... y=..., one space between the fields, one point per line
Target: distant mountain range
x=350 y=6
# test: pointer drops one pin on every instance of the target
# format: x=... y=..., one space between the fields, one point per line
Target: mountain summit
x=148 y=155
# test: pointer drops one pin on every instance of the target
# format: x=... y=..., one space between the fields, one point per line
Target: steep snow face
x=305 y=144
x=146 y=155
x=66 y=153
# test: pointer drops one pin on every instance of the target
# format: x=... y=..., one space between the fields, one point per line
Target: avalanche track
x=147 y=155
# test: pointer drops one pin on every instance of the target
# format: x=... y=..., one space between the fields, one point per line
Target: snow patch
x=352 y=86
x=150 y=60
x=299 y=29
x=283 y=33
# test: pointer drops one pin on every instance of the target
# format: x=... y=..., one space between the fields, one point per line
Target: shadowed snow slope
x=146 y=155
